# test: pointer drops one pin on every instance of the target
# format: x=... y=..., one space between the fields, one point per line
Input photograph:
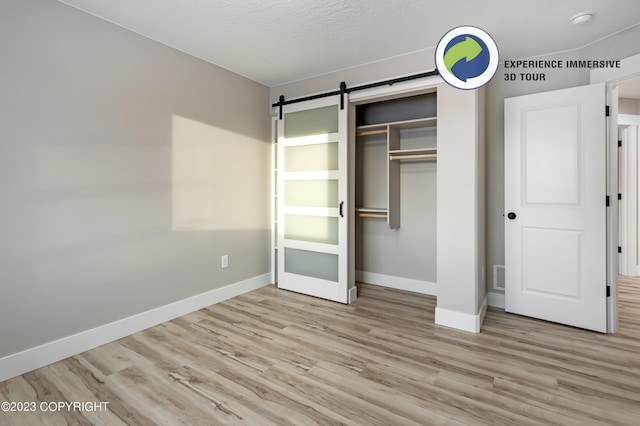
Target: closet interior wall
x=395 y=210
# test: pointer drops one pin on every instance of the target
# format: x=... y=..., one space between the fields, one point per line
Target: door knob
x=511 y=215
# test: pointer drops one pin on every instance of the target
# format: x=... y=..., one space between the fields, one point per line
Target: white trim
x=318 y=175
x=629 y=67
x=411 y=87
x=495 y=300
x=628 y=120
x=612 y=243
x=398 y=283
x=311 y=139
x=628 y=206
x=460 y=320
x=274 y=199
x=312 y=211
x=311 y=246
x=28 y=360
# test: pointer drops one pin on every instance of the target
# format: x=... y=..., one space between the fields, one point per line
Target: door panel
x=314 y=157
x=555 y=221
x=315 y=229
x=552 y=155
x=564 y=258
x=312 y=195
x=314 y=264
x=311 y=120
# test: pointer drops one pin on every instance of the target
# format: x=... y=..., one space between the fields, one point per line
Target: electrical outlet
x=224 y=261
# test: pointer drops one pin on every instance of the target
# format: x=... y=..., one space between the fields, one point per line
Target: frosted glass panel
x=311 y=193
x=318 y=121
x=311 y=264
x=315 y=229
x=307 y=158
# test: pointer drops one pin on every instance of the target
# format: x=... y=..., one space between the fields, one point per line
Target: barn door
x=312 y=199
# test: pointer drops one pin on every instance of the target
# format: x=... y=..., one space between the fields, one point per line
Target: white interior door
x=628 y=186
x=312 y=199
x=555 y=206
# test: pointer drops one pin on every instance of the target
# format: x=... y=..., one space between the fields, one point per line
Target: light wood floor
x=275 y=357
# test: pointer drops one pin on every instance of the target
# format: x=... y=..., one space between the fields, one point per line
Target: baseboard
x=48 y=353
x=496 y=300
x=460 y=320
x=399 y=283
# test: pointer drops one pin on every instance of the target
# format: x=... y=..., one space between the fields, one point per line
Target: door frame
x=628 y=212
x=375 y=94
x=612 y=77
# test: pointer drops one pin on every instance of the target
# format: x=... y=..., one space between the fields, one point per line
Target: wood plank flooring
x=272 y=357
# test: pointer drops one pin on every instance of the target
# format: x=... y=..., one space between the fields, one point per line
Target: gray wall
x=126 y=170
x=617 y=46
x=410 y=251
x=629 y=106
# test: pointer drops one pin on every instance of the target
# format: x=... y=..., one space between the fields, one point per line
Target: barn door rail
x=344 y=89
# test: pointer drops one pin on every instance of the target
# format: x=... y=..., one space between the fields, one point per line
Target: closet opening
x=395 y=169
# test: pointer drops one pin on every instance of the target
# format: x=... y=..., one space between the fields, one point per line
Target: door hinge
x=619 y=196
x=619 y=249
x=607 y=111
x=607 y=201
x=619 y=144
x=608 y=291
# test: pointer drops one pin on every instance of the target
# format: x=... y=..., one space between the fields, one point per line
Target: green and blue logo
x=467 y=57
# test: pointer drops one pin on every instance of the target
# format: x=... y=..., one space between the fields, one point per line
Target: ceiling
x=279 y=41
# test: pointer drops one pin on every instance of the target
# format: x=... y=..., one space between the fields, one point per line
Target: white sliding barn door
x=555 y=206
x=312 y=199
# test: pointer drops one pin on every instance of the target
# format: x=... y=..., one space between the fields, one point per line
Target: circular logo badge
x=467 y=57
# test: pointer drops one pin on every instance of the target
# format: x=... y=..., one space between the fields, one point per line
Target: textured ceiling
x=279 y=41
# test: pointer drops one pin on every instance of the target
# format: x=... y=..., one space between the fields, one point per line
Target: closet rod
x=344 y=89
x=373 y=215
x=411 y=156
x=372 y=132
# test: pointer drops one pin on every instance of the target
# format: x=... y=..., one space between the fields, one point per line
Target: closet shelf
x=371 y=209
x=413 y=154
x=374 y=129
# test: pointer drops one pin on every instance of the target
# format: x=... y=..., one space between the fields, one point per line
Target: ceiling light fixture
x=581 y=18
